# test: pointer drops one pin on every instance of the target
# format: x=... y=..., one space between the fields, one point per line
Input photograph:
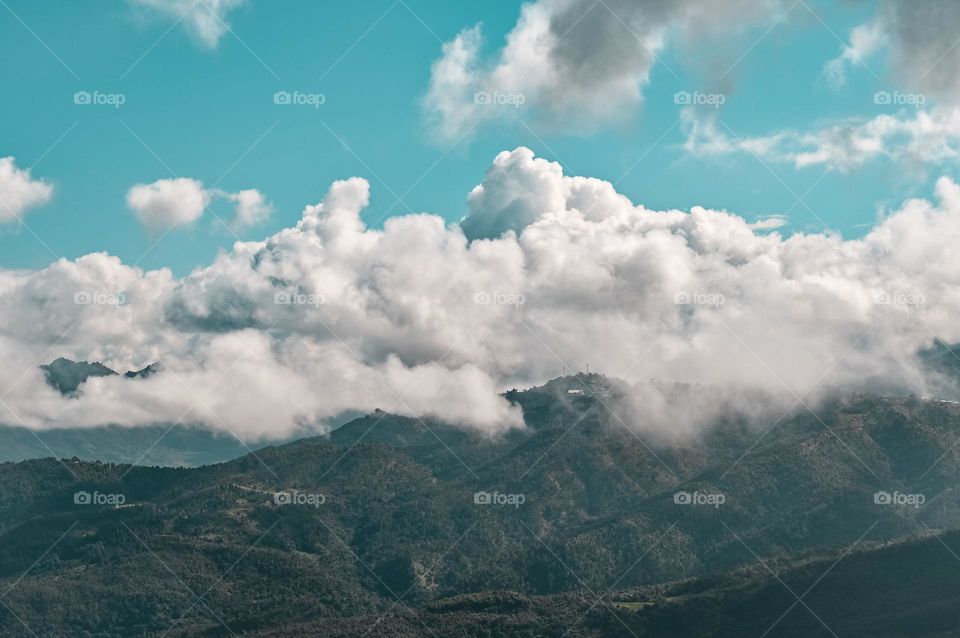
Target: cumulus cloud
x=169 y=203
x=206 y=20
x=518 y=189
x=417 y=318
x=579 y=62
x=914 y=137
x=19 y=192
x=252 y=208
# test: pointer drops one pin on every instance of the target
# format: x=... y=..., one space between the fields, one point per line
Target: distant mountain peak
x=67 y=375
x=143 y=373
x=63 y=362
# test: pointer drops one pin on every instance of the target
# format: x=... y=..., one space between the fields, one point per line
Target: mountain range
x=580 y=521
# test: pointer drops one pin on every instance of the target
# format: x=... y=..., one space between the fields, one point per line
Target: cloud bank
x=420 y=318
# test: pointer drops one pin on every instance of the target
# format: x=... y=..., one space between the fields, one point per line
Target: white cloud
x=865 y=40
x=330 y=316
x=770 y=222
x=450 y=103
x=168 y=203
x=206 y=20
x=518 y=189
x=19 y=192
x=252 y=208
x=575 y=63
x=913 y=137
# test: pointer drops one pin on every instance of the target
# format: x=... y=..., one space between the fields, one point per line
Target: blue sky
x=327 y=318
x=209 y=114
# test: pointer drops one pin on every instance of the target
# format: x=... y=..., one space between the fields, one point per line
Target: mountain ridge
x=418 y=507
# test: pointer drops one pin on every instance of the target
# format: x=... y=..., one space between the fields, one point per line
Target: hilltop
x=390 y=507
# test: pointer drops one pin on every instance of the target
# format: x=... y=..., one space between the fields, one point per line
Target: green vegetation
x=397 y=533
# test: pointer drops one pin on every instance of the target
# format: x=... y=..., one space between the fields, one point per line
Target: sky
x=307 y=209
x=204 y=109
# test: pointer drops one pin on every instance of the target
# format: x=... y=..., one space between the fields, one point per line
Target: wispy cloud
x=206 y=20
x=923 y=138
